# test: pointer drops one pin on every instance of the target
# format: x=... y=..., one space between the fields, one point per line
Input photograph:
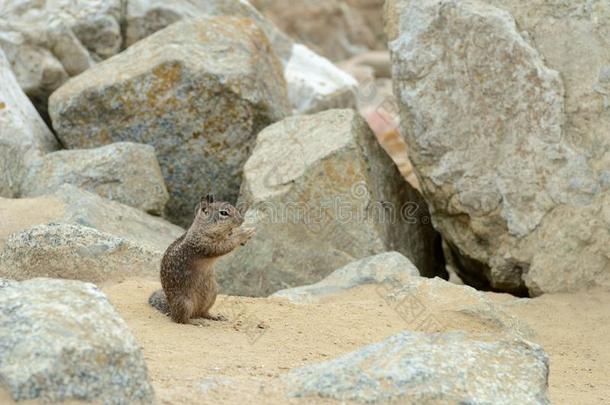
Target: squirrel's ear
x=209 y=198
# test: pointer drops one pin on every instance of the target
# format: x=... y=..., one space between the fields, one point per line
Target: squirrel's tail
x=159 y=301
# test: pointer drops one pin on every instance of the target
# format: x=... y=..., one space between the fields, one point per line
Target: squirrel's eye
x=224 y=213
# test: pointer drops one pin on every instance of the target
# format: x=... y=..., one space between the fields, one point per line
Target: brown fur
x=187 y=273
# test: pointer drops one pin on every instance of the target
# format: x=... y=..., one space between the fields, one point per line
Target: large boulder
x=388 y=267
x=313 y=82
x=495 y=137
x=75 y=252
x=51 y=40
x=145 y=17
x=430 y=368
x=23 y=135
x=198 y=91
x=58 y=39
x=71 y=205
x=125 y=172
x=63 y=341
x=322 y=193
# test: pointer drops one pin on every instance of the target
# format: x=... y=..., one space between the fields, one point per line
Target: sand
x=241 y=359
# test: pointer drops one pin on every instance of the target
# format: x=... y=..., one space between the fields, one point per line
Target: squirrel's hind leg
x=181 y=310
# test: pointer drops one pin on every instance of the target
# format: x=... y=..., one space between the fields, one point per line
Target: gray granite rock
x=75 y=252
x=23 y=135
x=72 y=205
x=59 y=39
x=313 y=82
x=125 y=172
x=52 y=40
x=145 y=17
x=499 y=144
x=389 y=267
x=322 y=193
x=63 y=341
x=198 y=91
x=416 y=368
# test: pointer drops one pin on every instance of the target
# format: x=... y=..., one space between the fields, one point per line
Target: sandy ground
x=574 y=329
x=241 y=359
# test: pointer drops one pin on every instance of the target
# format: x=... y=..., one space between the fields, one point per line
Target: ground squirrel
x=187 y=274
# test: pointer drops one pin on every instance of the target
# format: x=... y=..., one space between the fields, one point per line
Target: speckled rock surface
x=72 y=205
x=49 y=41
x=23 y=134
x=75 y=252
x=415 y=368
x=322 y=193
x=62 y=340
x=504 y=161
x=389 y=267
x=213 y=92
x=145 y=17
x=313 y=82
x=125 y=172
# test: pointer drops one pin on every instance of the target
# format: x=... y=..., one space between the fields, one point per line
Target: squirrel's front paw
x=245 y=235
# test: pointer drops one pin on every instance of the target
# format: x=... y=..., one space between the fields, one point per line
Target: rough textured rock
x=59 y=39
x=51 y=40
x=390 y=267
x=424 y=304
x=315 y=84
x=574 y=38
x=434 y=305
x=322 y=193
x=145 y=17
x=62 y=340
x=23 y=134
x=430 y=368
x=125 y=172
x=212 y=92
x=337 y=29
x=392 y=12
x=72 y=205
x=486 y=125
x=75 y=252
